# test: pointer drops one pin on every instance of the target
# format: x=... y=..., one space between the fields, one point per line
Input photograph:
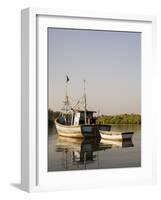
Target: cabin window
x=87 y=129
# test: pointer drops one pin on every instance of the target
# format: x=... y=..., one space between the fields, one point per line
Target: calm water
x=77 y=154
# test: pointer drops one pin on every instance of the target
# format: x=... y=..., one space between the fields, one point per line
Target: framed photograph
x=86 y=100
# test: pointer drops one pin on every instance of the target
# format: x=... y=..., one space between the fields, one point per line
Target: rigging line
x=85 y=106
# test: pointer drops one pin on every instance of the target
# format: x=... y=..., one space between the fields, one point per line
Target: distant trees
x=119 y=119
x=52 y=116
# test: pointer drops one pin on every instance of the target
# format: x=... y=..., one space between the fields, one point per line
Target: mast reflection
x=82 y=152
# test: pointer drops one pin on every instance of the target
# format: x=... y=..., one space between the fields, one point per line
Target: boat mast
x=66 y=102
x=66 y=97
x=85 y=103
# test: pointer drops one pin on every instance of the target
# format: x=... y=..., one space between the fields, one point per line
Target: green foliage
x=52 y=116
x=119 y=119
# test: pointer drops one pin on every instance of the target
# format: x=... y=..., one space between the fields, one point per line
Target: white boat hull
x=113 y=135
x=68 y=131
x=79 y=131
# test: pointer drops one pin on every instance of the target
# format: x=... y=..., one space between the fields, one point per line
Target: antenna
x=85 y=103
x=66 y=94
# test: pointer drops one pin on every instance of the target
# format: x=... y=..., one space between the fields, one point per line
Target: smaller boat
x=115 y=135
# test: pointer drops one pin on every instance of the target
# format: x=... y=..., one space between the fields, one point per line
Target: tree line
x=119 y=119
x=52 y=116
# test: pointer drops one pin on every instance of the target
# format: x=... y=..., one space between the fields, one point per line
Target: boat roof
x=91 y=111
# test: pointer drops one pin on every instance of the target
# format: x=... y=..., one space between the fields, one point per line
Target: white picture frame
x=34 y=176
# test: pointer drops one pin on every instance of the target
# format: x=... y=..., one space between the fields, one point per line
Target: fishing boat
x=115 y=135
x=78 y=123
x=75 y=126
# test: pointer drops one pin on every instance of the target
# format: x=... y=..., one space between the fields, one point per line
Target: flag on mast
x=67 y=78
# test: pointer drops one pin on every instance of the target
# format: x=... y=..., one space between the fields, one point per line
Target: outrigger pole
x=85 y=103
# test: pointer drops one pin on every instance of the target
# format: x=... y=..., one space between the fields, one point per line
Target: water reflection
x=78 y=154
x=85 y=151
x=117 y=144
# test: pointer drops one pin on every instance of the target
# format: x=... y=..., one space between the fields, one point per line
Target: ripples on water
x=77 y=154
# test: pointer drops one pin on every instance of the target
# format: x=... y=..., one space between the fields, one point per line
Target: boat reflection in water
x=85 y=151
x=117 y=144
x=82 y=151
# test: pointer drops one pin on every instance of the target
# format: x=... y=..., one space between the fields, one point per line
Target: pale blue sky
x=110 y=62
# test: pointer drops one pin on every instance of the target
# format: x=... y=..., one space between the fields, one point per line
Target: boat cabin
x=82 y=117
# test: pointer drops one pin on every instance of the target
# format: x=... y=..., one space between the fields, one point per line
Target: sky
x=109 y=61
